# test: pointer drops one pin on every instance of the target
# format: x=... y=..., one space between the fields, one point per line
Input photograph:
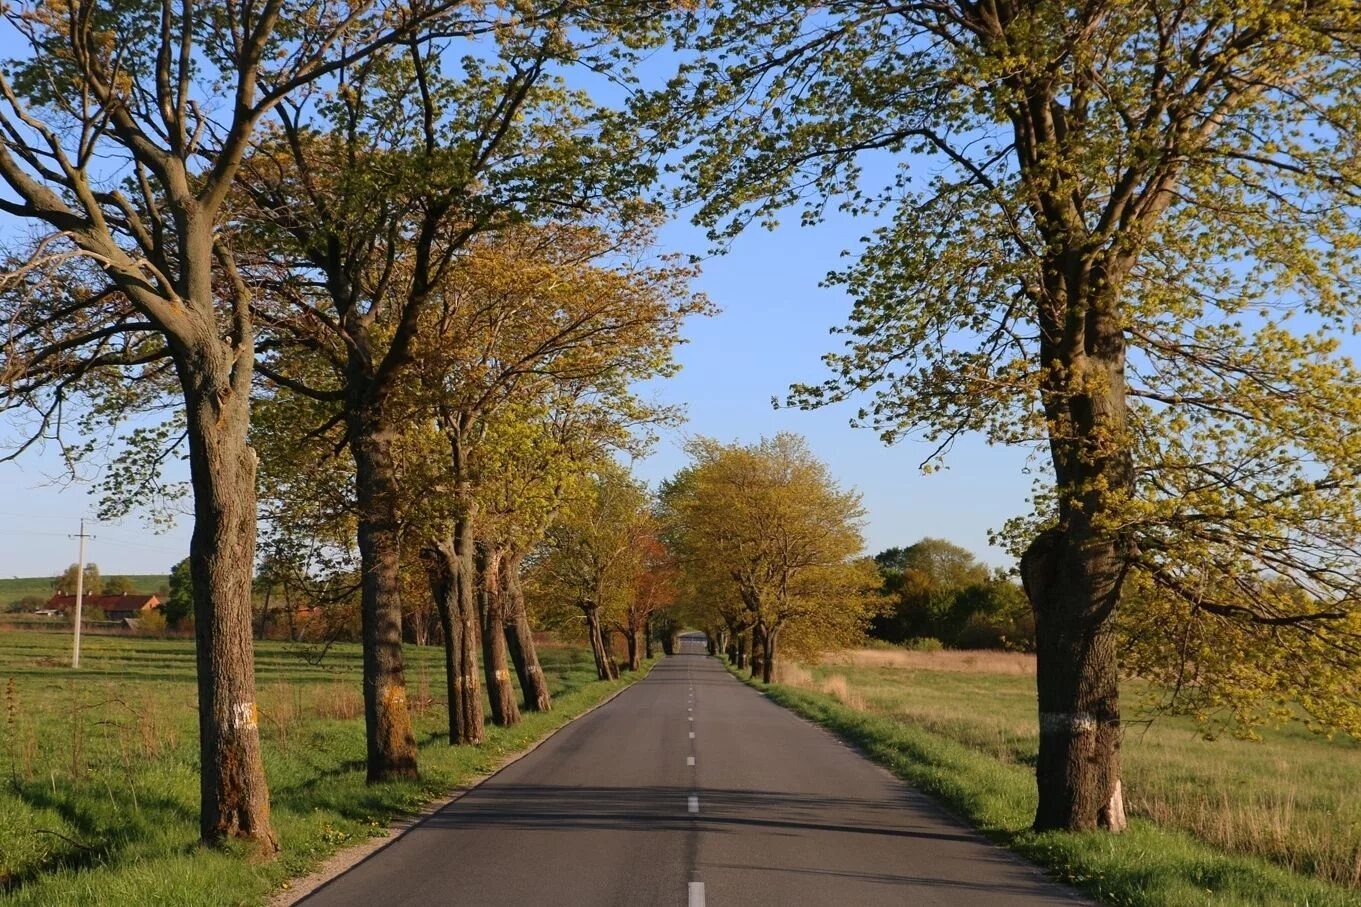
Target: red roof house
x=115 y=607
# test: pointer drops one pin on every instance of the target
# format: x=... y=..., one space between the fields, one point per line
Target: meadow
x=1213 y=821
x=99 y=798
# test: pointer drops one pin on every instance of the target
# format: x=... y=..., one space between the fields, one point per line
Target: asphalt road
x=691 y=788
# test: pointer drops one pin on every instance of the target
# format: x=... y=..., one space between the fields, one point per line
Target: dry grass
x=967 y=662
x=1288 y=798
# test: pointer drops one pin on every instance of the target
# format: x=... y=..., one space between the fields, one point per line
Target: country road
x=691 y=788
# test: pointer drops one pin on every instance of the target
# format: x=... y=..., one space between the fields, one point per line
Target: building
x=115 y=607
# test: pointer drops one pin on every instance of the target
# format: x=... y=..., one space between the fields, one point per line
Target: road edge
x=347 y=858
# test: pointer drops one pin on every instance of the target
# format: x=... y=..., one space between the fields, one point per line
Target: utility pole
x=80 y=592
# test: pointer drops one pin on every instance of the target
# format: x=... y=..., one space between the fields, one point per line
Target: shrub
x=923 y=644
x=151 y=623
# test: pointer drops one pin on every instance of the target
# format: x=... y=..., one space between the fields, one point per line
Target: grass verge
x=99 y=798
x=1149 y=866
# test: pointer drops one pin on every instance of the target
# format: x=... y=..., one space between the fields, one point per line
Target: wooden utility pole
x=80 y=592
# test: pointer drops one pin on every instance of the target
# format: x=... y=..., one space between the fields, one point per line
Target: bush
x=924 y=644
x=151 y=623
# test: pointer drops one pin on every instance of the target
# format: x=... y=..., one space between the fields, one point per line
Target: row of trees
x=1122 y=205
x=401 y=281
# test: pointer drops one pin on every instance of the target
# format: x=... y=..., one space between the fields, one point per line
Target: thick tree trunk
x=233 y=794
x=495 y=655
x=768 y=655
x=387 y=720
x=743 y=644
x=647 y=638
x=605 y=668
x=635 y=648
x=669 y=643
x=1078 y=769
x=758 y=651
x=469 y=721
x=520 y=639
x=450 y=584
x=1073 y=572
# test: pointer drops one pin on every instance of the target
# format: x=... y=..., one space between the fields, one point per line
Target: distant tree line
x=939 y=591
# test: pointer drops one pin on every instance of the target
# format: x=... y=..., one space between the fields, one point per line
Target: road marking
x=689 y=760
x=692 y=735
x=696 y=894
x=691 y=718
x=693 y=803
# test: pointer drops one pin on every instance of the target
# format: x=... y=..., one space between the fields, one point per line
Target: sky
x=771 y=332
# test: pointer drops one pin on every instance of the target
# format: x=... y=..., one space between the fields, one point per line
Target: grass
x=17 y=587
x=1222 y=822
x=99 y=795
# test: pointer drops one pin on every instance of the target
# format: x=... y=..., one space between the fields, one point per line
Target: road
x=691 y=788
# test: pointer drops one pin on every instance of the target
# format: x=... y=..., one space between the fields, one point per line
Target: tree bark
x=605 y=668
x=391 y=742
x=758 y=651
x=1078 y=769
x=768 y=655
x=469 y=721
x=439 y=568
x=635 y=647
x=1073 y=572
x=495 y=655
x=647 y=638
x=520 y=639
x=233 y=793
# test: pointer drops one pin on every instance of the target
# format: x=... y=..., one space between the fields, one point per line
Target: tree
x=766 y=525
x=364 y=209
x=111 y=146
x=1120 y=206
x=586 y=560
x=117 y=585
x=66 y=583
x=179 y=604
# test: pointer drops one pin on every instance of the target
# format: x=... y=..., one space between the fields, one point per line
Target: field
x=17 y=587
x=1213 y=821
x=100 y=795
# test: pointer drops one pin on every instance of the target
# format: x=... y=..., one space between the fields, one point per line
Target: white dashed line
x=696 y=894
x=689 y=760
x=693 y=803
x=692 y=718
x=692 y=735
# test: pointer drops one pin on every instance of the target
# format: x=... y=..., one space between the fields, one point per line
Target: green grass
x=1223 y=822
x=99 y=794
x=17 y=587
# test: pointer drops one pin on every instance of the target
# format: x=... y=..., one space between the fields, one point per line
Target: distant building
x=115 y=607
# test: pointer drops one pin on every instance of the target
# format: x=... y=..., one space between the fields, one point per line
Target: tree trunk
x=758 y=651
x=605 y=668
x=439 y=568
x=742 y=643
x=635 y=648
x=264 y=613
x=668 y=643
x=768 y=655
x=233 y=793
x=1078 y=769
x=647 y=639
x=469 y=722
x=1073 y=572
x=391 y=743
x=520 y=639
x=495 y=655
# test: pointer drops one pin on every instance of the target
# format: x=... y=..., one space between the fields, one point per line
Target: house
x=115 y=607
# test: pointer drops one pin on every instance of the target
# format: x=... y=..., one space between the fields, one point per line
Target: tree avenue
x=112 y=146
x=770 y=545
x=1119 y=207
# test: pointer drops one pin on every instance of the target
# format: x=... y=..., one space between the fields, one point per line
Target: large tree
x=1112 y=210
x=114 y=145
x=766 y=524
